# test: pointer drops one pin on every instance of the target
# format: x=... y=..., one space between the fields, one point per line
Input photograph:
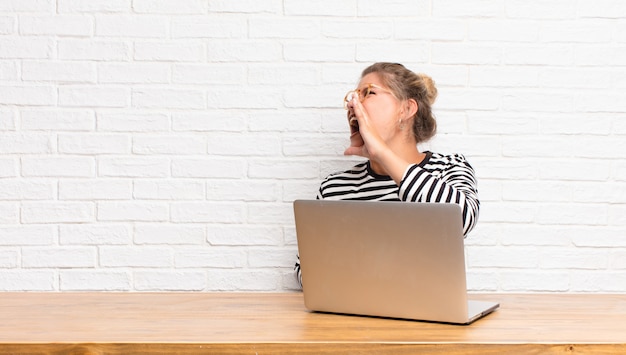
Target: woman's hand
x=363 y=136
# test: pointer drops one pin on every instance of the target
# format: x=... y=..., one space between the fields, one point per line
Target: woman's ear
x=410 y=108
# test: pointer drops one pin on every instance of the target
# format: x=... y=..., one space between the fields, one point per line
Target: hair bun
x=429 y=83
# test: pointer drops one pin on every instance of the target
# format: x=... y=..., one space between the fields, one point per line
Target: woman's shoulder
x=441 y=157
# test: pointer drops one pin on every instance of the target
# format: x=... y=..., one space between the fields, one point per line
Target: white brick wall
x=150 y=145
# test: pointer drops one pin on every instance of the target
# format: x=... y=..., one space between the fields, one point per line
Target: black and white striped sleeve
x=454 y=183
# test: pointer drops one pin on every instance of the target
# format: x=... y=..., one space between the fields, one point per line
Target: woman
x=389 y=114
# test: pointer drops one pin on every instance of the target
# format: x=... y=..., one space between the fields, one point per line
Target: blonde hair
x=405 y=85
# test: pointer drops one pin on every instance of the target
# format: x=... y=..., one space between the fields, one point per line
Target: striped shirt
x=438 y=178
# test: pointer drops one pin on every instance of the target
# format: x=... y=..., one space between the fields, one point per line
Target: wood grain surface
x=278 y=323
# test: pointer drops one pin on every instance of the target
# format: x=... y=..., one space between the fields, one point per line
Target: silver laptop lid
x=390 y=259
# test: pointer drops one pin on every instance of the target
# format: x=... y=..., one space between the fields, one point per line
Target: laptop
x=385 y=259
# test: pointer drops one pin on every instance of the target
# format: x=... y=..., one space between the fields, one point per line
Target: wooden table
x=270 y=323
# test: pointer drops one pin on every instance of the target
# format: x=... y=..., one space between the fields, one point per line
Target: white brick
x=132 y=122
x=244 y=51
x=543 y=101
x=580 y=124
x=94 y=6
x=7 y=120
x=571 y=259
x=320 y=8
x=227 y=144
x=182 y=51
x=534 y=281
x=25 y=47
x=9 y=259
x=515 y=77
x=169 y=234
x=617 y=259
x=209 y=120
x=170 y=6
x=209 y=27
x=210 y=258
x=27 y=95
x=288 y=121
x=131 y=26
x=601 y=9
x=244 y=235
x=347 y=74
x=93 y=144
x=9 y=212
x=267 y=168
x=133 y=167
x=557 y=55
x=57 y=212
x=393 y=8
x=572 y=214
x=121 y=256
x=25 y=143
x=242 y=190
x=59 y=25
x=266 y=212
x=208 y=74
x=53 y=120
x=452 y=53
x=427 y=29
x=95 y=189
x=242 y=280
x=133 y=73
x=284 y=28
x=244 y=98
x=20 y=235
x=94 y=234
x=305 y=146
x=209 y=168
x=207 y=212
x=58 y=257
x=508 y=212
x=471 y=8
x=319 y=52
x=597 y=281
x=132 y=211
x=168 y=190
x=58 y=167
x=607 y=147
x=93 y=50
x=246 y=6
x=15 y=190
x=89 y=280
x=7 y=25
x=476 y=99
x=534 y=235
x=536 y=191
x=280 y=75
x=496 y=123
x=573 y=170
x=550 y=9
x=20 y=280
x=536 y=147
x=601 y=102
x=169 y=144
x=168 y=98
x=271 y=258
x=169 y=281
x=503 y=30
x=9 y=71
x=617 y=215
x=593 y=237
x=582 y=31
x=28 y=6
x=94 y=96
